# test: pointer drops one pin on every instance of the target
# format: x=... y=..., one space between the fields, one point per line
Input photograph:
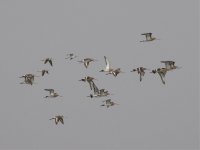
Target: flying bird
x=52 y=93
x=161 y=72
x=86 y=61
x=71 y=56
x=28 y=78
x=58 y=119
x=89 y=80
x=148 y=37
x=49 y=60
x=44 y=72
x=140 y=71
x=170 y=65
x=97 y=92
x=108 y=103
x=115 y=72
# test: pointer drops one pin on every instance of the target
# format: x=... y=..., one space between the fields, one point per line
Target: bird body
x=115 y=72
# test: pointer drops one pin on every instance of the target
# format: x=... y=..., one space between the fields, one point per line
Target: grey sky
x=150 y=115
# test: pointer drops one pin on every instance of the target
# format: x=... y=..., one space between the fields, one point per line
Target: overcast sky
x=150 y=115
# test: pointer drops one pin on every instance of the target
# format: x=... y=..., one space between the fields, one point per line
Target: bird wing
x=108 y=100
x=107 y=63
x=61 y=120
x=148 y=36
x=46 y=60
x=95 y=88
x=86 y=64
x=51 y=63
x=43 y=72
x=50 y=90
x=162 y=77
x=140 y=77
x=90 y=84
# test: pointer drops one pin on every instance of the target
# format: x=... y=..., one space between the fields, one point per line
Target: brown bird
x=89 y=80
x=48 y=60
x=140 y=71
x=86 y=61
x=161 y=72
x=170 y=65
x=28 y=78
x=115 y=72
x=58 y=119
x=44 y=72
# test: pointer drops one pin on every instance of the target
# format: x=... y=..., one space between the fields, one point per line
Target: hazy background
x=150 y=115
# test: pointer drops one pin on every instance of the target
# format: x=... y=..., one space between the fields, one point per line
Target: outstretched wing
x=46 y=60
x=51 y=63
x=107 y=101
x=90 y=84
x=95 y=88
x=50 y=90
x=162 y=77
x=86 y=64
x=107 y=63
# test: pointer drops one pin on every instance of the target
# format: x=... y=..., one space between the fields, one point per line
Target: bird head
x=153 y=71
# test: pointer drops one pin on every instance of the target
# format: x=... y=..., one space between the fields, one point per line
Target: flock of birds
x=169 y=66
